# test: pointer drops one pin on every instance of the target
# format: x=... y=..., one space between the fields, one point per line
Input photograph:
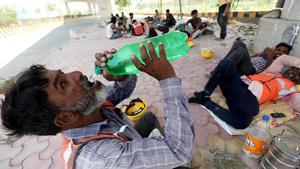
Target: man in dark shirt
x=170 y=20
x=196 y=23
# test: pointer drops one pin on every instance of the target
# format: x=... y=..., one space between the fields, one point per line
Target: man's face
x=293 y=74
x=195 y=15
x=73 y=92
x=280 y=50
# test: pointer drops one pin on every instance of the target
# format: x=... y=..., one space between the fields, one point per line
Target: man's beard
x=88 y=102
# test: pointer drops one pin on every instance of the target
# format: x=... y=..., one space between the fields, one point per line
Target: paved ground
x=31 y=47
x=214 y=147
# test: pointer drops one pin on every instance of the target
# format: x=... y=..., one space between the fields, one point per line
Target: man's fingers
x=113 y=50
x=152 y=51
x=144 y=54
x=98 y=56
x=162 y=51
x=106 y=52
x=137 y=63
x=103 y=59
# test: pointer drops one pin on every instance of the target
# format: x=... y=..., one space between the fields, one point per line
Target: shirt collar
x=89 y=130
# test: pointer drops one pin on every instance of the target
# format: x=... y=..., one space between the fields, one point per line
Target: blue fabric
x=116 y=36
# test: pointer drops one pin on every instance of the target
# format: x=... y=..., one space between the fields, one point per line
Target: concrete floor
x=214 y=147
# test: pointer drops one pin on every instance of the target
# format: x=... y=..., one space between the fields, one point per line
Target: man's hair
x=293 y=74
x=194 y=12
x=168 y=10
x=113 y=20
x=130 y=13
x=156 y=10
x=289 y=47
x=26 y=109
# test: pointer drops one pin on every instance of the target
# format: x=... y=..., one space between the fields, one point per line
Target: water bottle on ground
x=175 y=44
x=257 y=138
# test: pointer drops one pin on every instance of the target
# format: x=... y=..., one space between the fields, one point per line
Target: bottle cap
x=98 y=70
x=265 y=118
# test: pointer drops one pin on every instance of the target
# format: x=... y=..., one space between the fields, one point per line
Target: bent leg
x=146 y=124
x=240 y=56
x=242 y=104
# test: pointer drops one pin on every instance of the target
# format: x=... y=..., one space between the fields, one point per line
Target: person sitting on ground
x=156 y=17
x=150 y=28
x=137 y=28
x=124 y=18
x=196 y=23
x=95 y=133
x=111 y=30
x=129 y=22
x=121 y=25
x=244 y=94
x=258 y=62
x=170 y=20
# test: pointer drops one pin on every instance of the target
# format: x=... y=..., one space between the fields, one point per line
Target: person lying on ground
x=196 y=23
x=244 y=94
x=112 y=31
x=48 y=102
x=247 y=65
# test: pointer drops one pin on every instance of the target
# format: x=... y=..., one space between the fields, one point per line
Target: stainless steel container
x=283 y=153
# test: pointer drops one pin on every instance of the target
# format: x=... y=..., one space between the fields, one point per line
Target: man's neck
x=95 y=117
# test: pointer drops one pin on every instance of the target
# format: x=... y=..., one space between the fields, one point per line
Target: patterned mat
x=265 y=109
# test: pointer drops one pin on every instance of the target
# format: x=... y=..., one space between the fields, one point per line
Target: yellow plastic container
x=207 y=53
x=298 y=88
x=136 y=109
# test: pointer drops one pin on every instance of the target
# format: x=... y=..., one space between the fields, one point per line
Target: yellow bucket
x=135 y=109
x=207 y=53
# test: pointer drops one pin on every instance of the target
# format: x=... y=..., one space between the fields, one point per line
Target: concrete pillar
x=270 y=33
x=271 y=30
x=67 y=7
x=89 y=8
x=104 y=8
x=291 y=10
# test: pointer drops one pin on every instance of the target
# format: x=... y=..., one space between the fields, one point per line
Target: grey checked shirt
x=173 y=150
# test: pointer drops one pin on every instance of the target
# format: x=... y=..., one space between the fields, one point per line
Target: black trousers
x=161 y=28
x=222 y=21
x=242 y=104
x=241 y=59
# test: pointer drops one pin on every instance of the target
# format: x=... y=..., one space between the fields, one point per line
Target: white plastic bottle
x=257 y=138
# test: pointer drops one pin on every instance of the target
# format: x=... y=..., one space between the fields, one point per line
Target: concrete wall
x=291 y=10
x=104 y=8
x=270 y=32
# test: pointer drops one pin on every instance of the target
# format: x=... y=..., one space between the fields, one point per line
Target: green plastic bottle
x=175 y=44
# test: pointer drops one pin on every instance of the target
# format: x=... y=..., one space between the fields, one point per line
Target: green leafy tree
x=50 y=7
x=8 y=15
x=122 y=3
